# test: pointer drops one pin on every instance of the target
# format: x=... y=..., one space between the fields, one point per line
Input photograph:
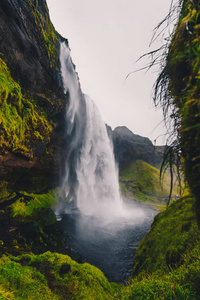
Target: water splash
x=98 y=187
x=91 y=173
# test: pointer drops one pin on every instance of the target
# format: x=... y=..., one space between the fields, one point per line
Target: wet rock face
x=22 y=44
x=129 y=146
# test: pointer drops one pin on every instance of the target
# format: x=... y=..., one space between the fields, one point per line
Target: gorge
x=61 y=209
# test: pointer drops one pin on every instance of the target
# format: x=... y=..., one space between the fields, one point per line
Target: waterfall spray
x=99 y=227
x=95 y=184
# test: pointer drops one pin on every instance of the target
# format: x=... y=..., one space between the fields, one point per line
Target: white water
x=90 y=153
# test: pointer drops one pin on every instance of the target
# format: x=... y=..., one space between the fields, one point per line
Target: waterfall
x=91 y=173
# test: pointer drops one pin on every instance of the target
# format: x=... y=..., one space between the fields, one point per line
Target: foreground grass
x=52 y=276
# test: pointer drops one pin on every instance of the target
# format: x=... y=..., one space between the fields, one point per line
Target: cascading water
x=100 y=229
x=96 y=189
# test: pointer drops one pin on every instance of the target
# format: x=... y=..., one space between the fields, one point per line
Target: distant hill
x=129 y=146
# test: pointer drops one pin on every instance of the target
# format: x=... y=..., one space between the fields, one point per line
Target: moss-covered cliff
x=32 y=139
x=32 y=127
x=184 y=72
x=177 y=90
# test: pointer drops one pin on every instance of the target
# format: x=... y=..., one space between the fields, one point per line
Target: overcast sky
x=106 y=38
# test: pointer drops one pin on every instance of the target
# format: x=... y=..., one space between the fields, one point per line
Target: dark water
x=109 y=245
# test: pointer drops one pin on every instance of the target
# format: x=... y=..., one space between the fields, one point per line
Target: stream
x=109 y=245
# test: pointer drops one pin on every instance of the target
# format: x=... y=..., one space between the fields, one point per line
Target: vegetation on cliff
x=129 y=146
x=32 y=101
x=45 y=30
x=177 y=91
x=167 y=262
x=22 y=123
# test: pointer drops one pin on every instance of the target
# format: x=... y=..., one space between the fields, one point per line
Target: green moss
x=5 y=295
x=34 y=208
x=24 y=282
x=30 y=223
x=53 y=276
x=4 y=192
x=166 y=266
x=46 y=30
x=167 y=262
x=178 y=90
x=173 y=234
x=141 y=182
x=22 y=124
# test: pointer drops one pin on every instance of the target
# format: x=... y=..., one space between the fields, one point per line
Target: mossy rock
x=23 y=124
x=166 y=245
x=54 y=276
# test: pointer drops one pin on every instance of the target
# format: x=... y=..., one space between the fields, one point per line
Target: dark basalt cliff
x=29 y=51
x=129 y=146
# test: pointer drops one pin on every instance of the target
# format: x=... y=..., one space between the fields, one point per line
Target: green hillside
x=141 y=181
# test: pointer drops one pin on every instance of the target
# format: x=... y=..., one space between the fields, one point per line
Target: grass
x=167 y=262
x=53 y=276
x=33 y=207
x=141 y=181
x=173 y=233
